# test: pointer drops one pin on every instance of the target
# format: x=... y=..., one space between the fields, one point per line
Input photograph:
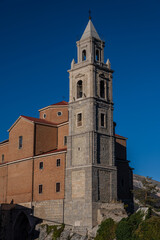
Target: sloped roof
x=32 y=119
x=5 y=141
x=60 y=103
x=118 y=136
x=53 y=151
x=38 y=120
x=90 y=31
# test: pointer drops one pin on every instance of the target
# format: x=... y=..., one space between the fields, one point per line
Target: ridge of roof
x=60 y=103
x=4 y=141
x=116 y=135
x=52 y=151
x=90 y=31
x=39 y=120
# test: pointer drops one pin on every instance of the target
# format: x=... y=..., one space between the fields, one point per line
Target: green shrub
x=123 y=231
x=126 y=227
x=149 y=229
x=56 y=229
x=106 y=230
x=149 y=213
x=134 y=220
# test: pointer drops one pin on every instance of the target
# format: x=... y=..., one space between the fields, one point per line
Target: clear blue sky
x=38 y=42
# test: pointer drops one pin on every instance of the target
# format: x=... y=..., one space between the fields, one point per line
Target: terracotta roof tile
x=60 y=103
x=120 y=136
x=39 y=120
x=53 y=151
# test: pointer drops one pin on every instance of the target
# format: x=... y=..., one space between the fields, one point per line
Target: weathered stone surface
x=78 y=237
x=92 y=232
x=42 y=232
x=115 y=211
x=65 y=235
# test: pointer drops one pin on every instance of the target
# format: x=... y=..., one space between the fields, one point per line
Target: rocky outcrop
x=115 y=211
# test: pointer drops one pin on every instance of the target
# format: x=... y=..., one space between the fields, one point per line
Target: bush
x=56 y=229
x=149 y=229
x=106 y=230
x=149 y=213
x=127 y=227
x=123 y=231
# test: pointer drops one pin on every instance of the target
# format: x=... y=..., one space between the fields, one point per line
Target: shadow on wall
x=17 y=222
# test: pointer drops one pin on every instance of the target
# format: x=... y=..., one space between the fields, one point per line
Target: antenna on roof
x=90 y=14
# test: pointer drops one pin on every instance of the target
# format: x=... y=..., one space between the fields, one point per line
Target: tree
x=149 y=229
x=106 y=230
x=127 y=226
x=147 y=194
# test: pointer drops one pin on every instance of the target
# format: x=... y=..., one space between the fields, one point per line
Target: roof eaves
x=120 y=137
x=18 y=121
x=5 y=141
x=55 y=105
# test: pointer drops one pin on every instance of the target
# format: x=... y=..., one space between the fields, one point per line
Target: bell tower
x=91 y=176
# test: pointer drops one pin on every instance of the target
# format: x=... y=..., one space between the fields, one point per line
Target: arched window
x=102 y=89
x=97 y=55
x=83 y=55
x=79 y=89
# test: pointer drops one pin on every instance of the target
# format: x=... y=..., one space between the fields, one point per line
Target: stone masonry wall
x=51 y=210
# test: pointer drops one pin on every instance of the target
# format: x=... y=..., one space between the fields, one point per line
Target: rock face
x=137 y=183
x=67 y=234
x=115 y=211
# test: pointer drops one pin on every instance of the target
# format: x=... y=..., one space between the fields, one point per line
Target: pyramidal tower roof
x=90 y=31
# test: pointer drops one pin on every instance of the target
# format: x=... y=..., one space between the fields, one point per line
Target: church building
x=68 y=162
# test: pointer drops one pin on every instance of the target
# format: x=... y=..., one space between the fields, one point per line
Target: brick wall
x=52 y=114
x=4 y=151
x=46 y=138
x=120 y=147
x=25 y=129
x=48 y=177
x=3 y=184
x=62 y=131
x=20 y=182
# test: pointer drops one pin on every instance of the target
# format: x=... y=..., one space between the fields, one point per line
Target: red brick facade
x=32 y=163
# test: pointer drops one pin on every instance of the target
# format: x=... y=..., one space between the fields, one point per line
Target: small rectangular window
x=65 y=140
x=58 y=162
x=20 y=142
x=40 y=188
x=58 y=187
x=2 y=158
x=41 y=165
x=102 y=120
x=79 y=119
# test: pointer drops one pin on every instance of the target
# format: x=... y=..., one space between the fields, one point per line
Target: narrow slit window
x=58 y=162
x=79 y=89
x=41 y=165
x=97 y=55
x=58 y=187
x=102 y=89
x=102 y=119
x=20 y=142
x=40 y=188
x=65 y=140
x=83 y=55
x=79 y=119
x=2 y=158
